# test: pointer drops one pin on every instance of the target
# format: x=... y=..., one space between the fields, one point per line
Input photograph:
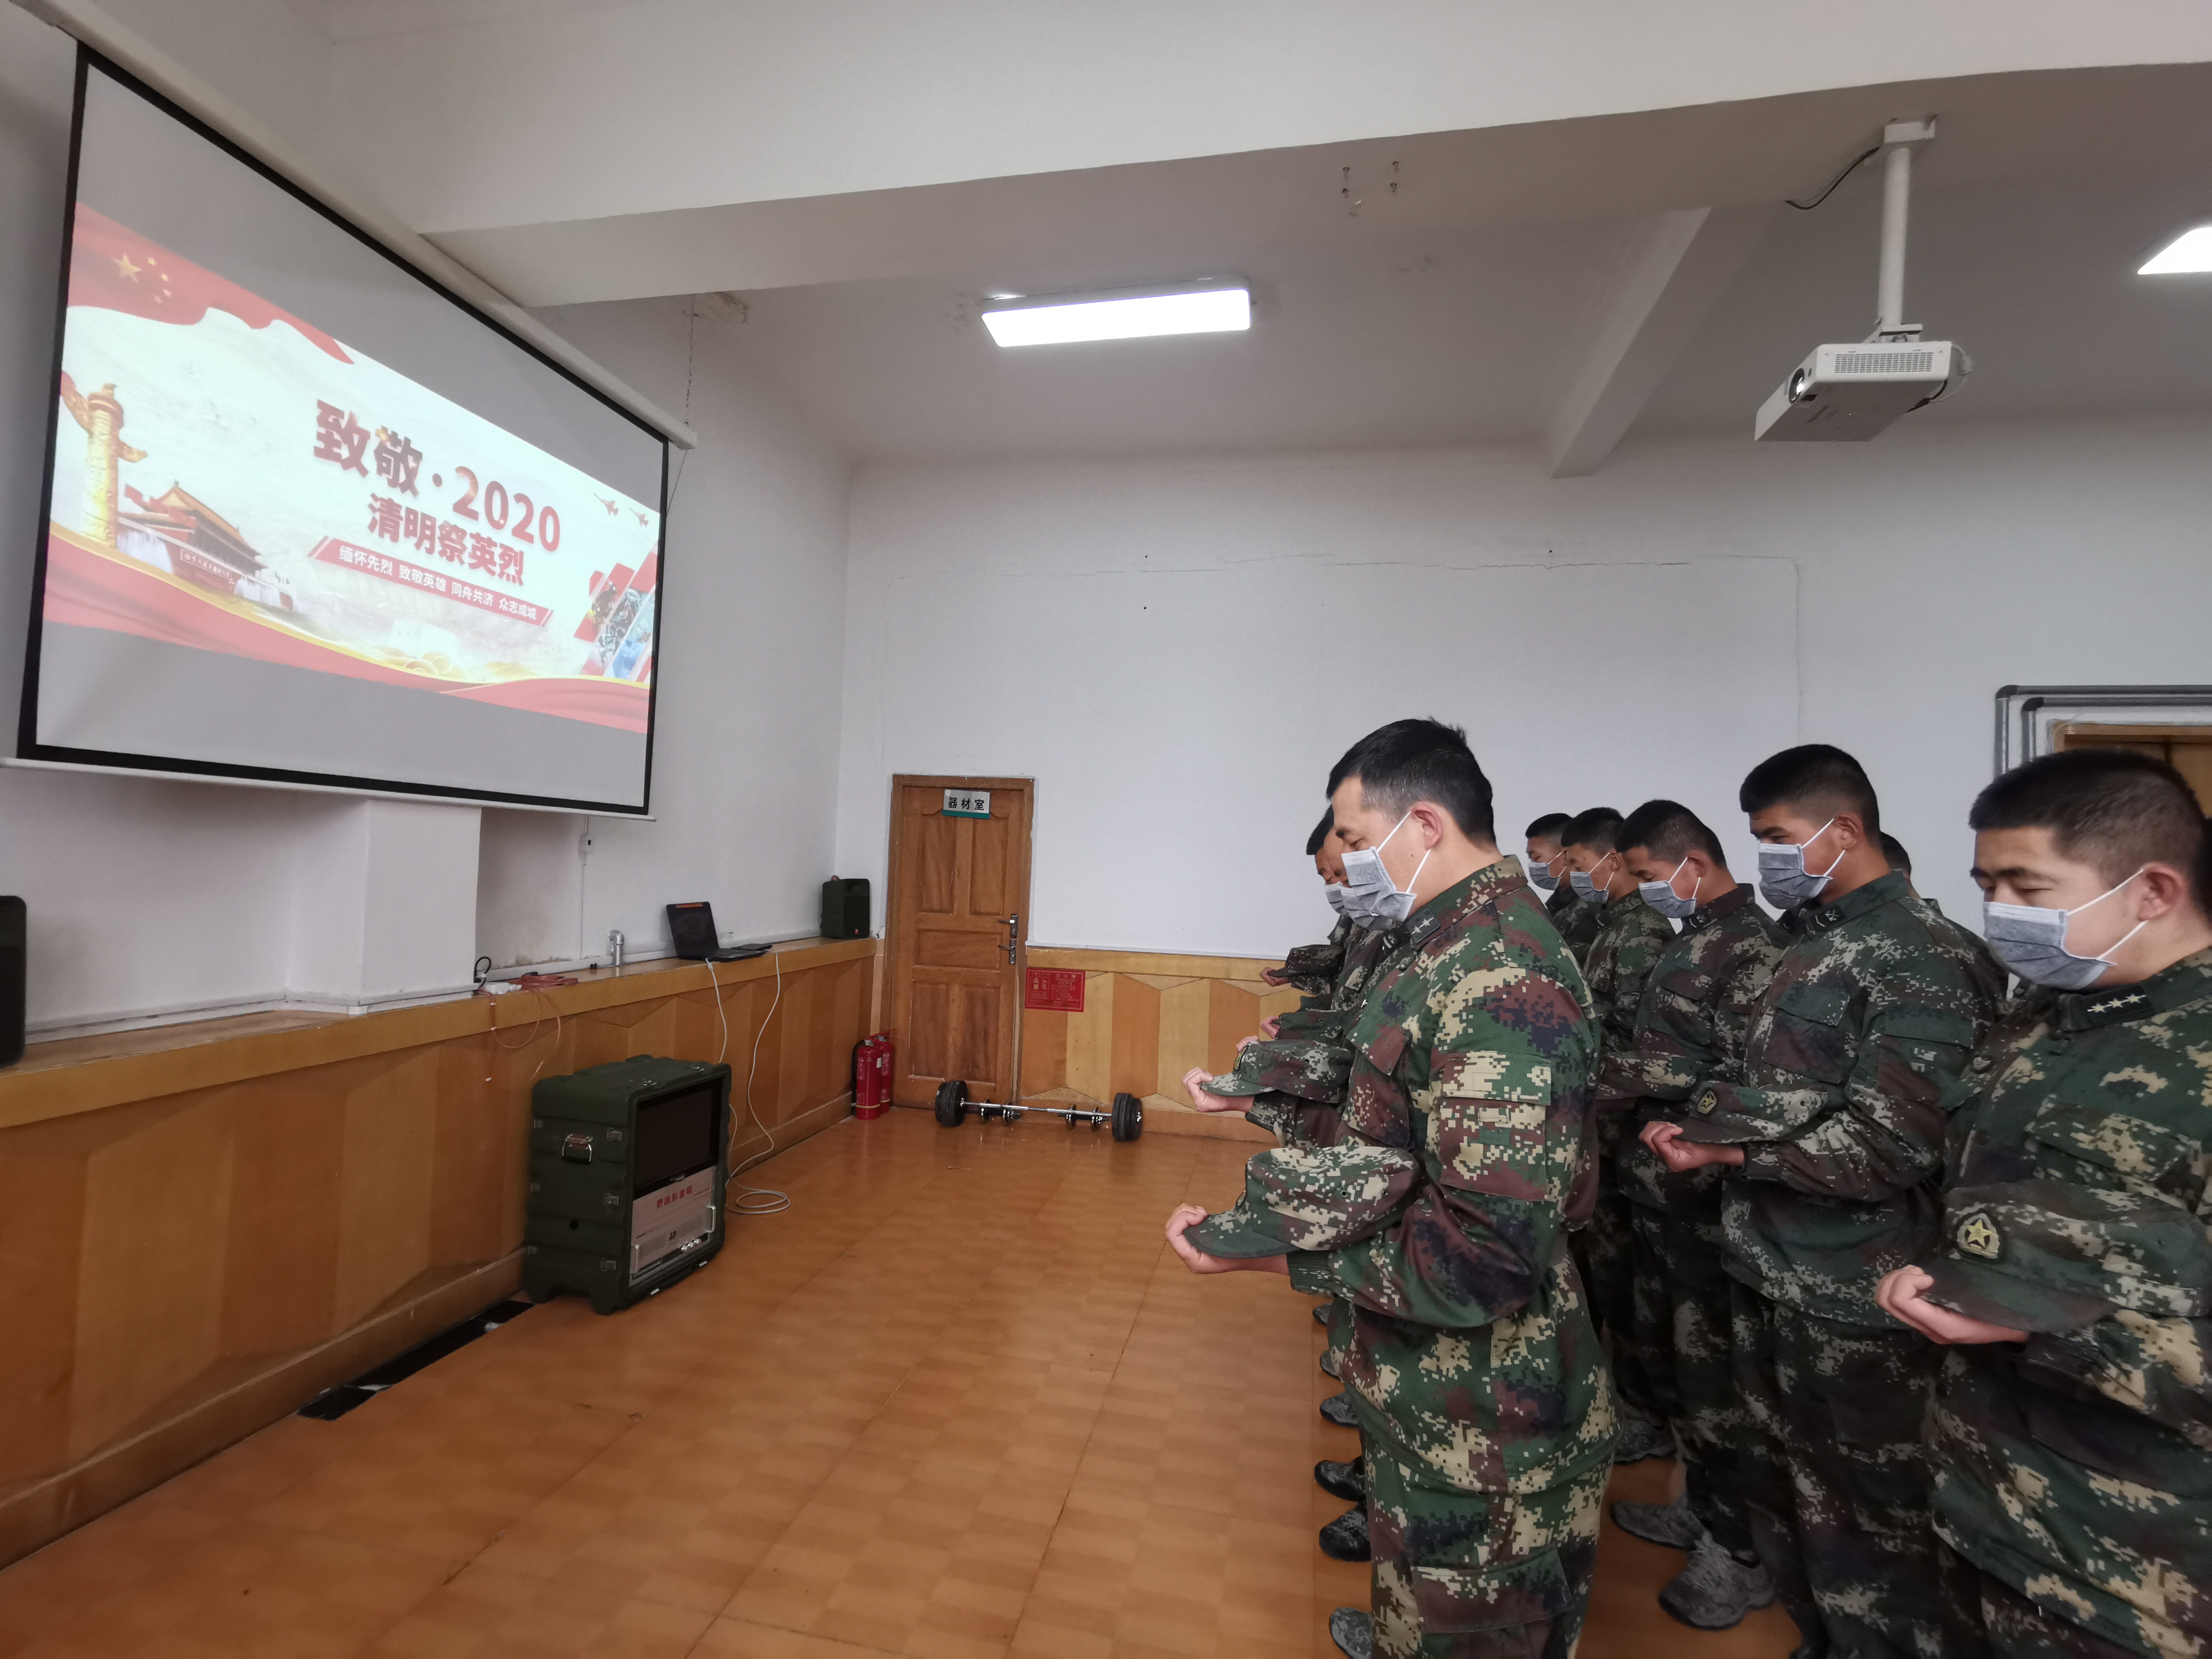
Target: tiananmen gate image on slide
x=249 y=485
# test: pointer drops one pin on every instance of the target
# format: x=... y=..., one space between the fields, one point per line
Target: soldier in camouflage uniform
x=1693 y=1023
x=1901 y=861
x=1313 y=968
x=1292 y=1086
x=1292 y=1077
x=2072 y=1431
x=1630 y=936
x=1833 y=1128
x=1541 y=859
x=1481 y=1387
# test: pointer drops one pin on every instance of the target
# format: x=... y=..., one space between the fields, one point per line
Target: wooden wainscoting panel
x=384 y=1196
x=478 y=1188
x=188 y=1262
x=1090 y=1039
x=1148 y=1017
x=280 y=1263
x=800 y=1017
x=843 y=1022
x=150 y=1276
x=42 y=1180
x=1186 y=1028
x=1136 y=1039
x=1044 y=1051
x=1151 y=962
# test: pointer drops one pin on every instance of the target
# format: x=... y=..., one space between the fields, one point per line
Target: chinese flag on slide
x=114 y=268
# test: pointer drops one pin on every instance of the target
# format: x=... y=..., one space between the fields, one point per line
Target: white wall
x=151 y=899
x=1178 y=650
x=744 y=759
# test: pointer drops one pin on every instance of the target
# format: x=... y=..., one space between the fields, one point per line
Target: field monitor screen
x=310 y=518
x=675 y=1136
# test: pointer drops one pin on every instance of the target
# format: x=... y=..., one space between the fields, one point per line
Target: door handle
x=1014 y=930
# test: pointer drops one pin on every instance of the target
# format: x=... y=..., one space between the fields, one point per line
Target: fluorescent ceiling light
x=2191 y=251
x=1125 y=315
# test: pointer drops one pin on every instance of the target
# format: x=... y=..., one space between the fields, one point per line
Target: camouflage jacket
x=1300 y=1112
x=1439 y=1215
x=1965 y=941
x=1577 y=920
x=2078 y=1207
x=1313 y=969
x=1693 y=1023
x=1631 y=938
x=1841 y=1103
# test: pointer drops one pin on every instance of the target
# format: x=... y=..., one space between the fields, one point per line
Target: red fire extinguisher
x=871 y=1075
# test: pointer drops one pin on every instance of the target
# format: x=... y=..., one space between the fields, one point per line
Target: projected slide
x=230 y=478
x=310 y=518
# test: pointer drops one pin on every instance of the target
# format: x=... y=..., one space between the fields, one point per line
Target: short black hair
x=1668 y=830
x=1416 y=760
x=1321 y=831
x=1812 y=775
x=1599 y=830
x=2112 y=809
x=1893 y=850
x=1548 y=827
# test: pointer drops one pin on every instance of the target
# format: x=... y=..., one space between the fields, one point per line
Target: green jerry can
x=627 y=1162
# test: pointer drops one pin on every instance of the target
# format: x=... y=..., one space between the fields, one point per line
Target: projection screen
x=309 y=517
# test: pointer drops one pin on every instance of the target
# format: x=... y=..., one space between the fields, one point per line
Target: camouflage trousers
x=1835 y=1480
x=1985 y=1618
x=1684 y=1311
x=1340 y=1329
x=1468 y=1575
x=1604 y=1252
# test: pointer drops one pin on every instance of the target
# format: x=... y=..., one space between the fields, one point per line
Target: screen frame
x=27 y=746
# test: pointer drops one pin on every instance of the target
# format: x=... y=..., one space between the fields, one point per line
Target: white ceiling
x=1409 y=329
x=1393 y=340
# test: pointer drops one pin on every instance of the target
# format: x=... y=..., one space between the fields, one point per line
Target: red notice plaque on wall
x=1055 y=990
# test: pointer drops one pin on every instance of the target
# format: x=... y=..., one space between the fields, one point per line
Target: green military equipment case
x=627 y=1162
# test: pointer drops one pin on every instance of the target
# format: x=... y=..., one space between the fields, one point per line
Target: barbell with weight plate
x=1127 y=1117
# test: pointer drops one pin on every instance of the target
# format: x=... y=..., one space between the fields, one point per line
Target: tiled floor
x=958 y=1400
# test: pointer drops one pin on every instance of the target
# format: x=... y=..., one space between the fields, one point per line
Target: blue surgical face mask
x=1784 y=880
x=1662 y=896
x=2032 y=942
x=1585 y=882
x=1373 y=897
x=1539 y=875
x=1334 y=894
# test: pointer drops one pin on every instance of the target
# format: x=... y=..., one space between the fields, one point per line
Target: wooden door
x=2187 y=748
x=958 y=917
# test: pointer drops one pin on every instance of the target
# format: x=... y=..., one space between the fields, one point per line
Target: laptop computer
x=691 y=930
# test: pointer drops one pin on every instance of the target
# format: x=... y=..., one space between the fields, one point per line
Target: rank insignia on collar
x=2113 y=1004
x=1978 y=1236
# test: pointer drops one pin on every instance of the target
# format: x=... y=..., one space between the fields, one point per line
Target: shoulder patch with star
x=1976 y=1235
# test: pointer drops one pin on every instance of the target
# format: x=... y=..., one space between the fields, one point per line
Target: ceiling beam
x=1672 y=267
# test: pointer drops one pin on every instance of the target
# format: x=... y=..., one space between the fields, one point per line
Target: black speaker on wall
x=14 y=973
x=845 y=908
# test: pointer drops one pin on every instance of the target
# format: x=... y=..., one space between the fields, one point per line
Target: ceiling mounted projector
x=1849 y=393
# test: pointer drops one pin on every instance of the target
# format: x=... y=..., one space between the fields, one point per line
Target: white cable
x=721 y=1012
x=757 y=1201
